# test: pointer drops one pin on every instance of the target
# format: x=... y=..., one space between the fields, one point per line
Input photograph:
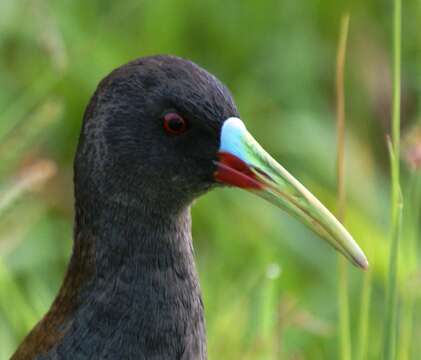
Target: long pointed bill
x=244 y=163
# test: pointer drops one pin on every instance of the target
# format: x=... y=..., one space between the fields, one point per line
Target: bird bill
x=242 y=162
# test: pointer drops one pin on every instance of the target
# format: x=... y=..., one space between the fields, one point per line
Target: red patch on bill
x=234 y=171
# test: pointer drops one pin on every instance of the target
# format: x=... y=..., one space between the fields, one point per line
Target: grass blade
x=397 y=202
x=364 y=319
x=344 y=326
x=32 y=176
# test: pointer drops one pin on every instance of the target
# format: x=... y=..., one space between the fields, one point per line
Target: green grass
x=391 y=322
x=278 y=58
x=343 y=296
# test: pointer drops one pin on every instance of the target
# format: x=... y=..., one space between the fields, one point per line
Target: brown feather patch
x=52 y=328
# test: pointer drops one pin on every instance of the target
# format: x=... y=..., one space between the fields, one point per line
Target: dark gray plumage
x=131 y=290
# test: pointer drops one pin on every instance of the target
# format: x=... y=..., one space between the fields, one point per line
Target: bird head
x=160 y=131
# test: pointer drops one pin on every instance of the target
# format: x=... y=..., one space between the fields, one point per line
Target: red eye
x=174 y=123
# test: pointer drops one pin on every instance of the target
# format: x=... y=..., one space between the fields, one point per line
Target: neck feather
x=131 y=289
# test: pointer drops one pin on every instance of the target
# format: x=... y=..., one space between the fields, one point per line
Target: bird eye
x=174 y=124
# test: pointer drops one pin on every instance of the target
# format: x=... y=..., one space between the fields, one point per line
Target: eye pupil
x=174 y=123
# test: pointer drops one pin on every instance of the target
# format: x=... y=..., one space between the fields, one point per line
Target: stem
x=394 y=149
x=412 y=214
x=344 y=326
x=364 y=319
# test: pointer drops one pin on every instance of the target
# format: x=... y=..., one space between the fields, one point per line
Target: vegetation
x=270 y=286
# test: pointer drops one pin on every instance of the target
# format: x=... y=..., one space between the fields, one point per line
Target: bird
x=158 y=132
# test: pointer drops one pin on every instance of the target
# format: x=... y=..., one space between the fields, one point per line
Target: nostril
x=264 y=174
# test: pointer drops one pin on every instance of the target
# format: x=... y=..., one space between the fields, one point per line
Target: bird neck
x=145 y=288
x=131 y=290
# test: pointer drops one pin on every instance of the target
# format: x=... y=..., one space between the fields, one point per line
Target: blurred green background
x=270 y=286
